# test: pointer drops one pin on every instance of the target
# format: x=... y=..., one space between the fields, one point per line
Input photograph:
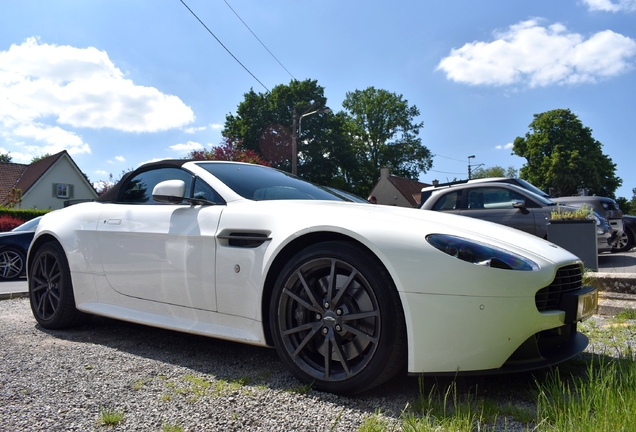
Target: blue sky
x=118 y=83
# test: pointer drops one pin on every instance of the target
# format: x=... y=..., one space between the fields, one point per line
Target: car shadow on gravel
x=259 y=366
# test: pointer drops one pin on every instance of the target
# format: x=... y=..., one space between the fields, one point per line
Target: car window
x=138 y=189
x=448 y=201
x=203 y=191
x=493 y=198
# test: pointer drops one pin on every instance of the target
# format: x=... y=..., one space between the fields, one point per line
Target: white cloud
x=120 y=158
x=528 y=53
x=504 y=147
x=187 y=147
x=192 y=130
x=48 y=89
x=611 y=6
x=101 y=172
x=216 y=126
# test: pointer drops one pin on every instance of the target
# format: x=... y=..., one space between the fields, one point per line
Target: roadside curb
x=617 y=292
x=13 y=295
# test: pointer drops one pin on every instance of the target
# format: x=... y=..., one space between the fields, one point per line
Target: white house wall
x=63 y=171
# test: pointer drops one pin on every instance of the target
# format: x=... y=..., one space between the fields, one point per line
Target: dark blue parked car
x=14 y=245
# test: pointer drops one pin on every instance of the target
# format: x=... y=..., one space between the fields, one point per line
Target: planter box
x=578 y=237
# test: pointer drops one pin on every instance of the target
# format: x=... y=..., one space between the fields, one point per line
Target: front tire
x=11 y=263
x=51 y=289
x=337 y=320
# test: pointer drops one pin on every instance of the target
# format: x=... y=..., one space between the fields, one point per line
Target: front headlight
x=480 y=253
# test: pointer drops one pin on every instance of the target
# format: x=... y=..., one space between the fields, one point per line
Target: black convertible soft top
x=112 y=193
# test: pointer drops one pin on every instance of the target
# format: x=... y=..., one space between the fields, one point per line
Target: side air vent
x=568 y=278
x=245 y=239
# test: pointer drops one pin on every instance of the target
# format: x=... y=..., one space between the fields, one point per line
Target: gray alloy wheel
x=11 y=263
x=337 y=320
x=623 y=243
x=51 y=290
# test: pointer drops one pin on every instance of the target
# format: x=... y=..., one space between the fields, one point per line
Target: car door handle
x=113 y=221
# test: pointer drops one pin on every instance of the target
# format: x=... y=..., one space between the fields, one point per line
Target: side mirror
x=520 y=204
x=169 y=192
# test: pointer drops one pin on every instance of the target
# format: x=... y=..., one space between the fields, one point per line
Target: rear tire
x=51 y=289
x=337 y=320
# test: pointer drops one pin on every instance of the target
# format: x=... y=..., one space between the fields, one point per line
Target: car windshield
x=532 y=188
x=539 y=198
x=28 y=226
x=260 y=183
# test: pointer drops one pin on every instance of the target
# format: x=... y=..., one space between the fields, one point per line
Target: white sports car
x=349 y=294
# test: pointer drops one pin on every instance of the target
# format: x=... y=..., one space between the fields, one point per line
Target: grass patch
x=602 y=400
x=171 y=428
x=594 y=392
x=110 y=417
x=375 y=423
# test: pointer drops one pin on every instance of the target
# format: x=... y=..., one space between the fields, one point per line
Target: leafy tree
x=14 y=198
x=628 y=206
x=4 y=157
x=38 y=158
x=495 y=171
x=229 y=151
x=562 y=154
x=263 y=124
x=383 y=132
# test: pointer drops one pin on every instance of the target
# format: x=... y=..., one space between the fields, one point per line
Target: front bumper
x=481 y=335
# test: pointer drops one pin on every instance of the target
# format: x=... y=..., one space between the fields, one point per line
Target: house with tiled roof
x=49 y=183
x=397 y=191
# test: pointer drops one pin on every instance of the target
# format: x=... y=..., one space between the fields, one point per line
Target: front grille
x=568 y=278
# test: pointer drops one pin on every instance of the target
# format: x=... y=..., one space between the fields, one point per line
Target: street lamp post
x=297 y=129
x=469 y=172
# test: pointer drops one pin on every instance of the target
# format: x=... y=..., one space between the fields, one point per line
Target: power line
x=237 y=15
x=446 y=157
x=217 y=39
x=445 y=172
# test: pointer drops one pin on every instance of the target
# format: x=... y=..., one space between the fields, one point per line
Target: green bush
x=11 y=218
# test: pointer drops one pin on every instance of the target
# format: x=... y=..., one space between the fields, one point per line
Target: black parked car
x=14 y=245
x=625 y=226
x=626 y=241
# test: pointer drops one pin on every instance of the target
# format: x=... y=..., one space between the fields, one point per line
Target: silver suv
x=509 y=205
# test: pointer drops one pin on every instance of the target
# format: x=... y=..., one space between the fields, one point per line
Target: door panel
x=496 y=204
x=163 y=253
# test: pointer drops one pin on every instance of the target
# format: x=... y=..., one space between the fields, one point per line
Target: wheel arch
x=37 y=243
x=290 y=250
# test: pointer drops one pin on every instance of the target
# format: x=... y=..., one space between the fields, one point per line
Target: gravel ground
x=63 y=380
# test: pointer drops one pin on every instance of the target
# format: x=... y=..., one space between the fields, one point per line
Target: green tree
x=39 y=158
x=384 y=133
x=628 y=206
x=263 y=124
x=562 y=154
x=495 y=171
x=4 y=157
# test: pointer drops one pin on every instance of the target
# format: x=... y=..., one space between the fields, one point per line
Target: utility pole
x=294 y=141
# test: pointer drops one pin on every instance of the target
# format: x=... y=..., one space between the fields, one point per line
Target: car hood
x=384 y=224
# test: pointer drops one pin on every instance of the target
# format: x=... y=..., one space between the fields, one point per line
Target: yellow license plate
x=588 y=304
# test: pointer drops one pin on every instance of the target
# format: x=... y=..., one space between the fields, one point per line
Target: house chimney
x=384 y=173
x=435 y=182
